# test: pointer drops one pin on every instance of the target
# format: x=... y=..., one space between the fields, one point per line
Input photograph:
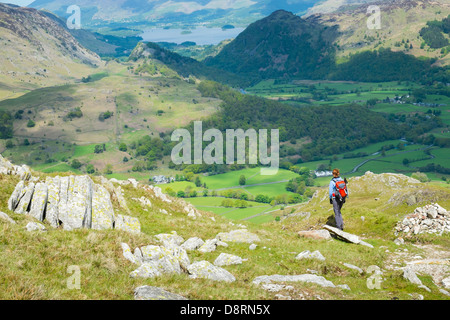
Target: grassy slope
x=134 y=99
x=34 y=265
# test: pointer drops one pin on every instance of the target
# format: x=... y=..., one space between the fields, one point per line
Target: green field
x=330 y=92
x=180 y=186
x=271 y=189
x=229 y=179
x=442 y=157
x=255 y=213
x=256 y=185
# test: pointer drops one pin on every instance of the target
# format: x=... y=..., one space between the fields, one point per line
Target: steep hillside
x=281 y=44
x=401 y=23
x=186 y=66
x=284 y=45
x=37 y=52
x=103 y=45
x=120 y=103
x=330 y=6
x=129 y=241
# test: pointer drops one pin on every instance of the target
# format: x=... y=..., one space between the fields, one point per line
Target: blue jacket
x=332 y=188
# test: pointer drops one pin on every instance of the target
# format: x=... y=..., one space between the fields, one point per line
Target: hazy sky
x=18 y=2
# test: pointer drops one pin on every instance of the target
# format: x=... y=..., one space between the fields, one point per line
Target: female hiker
x=338 y=193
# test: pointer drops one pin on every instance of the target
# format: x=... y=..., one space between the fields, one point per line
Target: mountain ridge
x=190 y=12
x=37 y=51
x=279 y=44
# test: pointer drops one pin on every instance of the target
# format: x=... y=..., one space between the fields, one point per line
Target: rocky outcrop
x=156 y=261
x=390 y=180
x=7 y=168
x=172 y=258
x=428 y=219
x=16 y=196
x=24 y=199
x=72 y=202
x=143 y=201
x=158 y=193
x=118 y=195
x=191 y=211
x=102 y=210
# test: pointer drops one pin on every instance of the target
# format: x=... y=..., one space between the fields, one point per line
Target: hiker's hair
x=336 y=173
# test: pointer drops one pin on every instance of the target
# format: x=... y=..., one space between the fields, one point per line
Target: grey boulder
x=206 y=270
x=155 y=293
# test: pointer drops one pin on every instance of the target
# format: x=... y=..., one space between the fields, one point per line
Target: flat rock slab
x=25 y=198
x=308 y=278
x=15 y=196
x=102 y=209
x=39 y=203
x=155 y=293
x=346 y=236
x=51 y=216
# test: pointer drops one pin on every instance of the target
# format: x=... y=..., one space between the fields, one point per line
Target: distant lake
x=200 y=35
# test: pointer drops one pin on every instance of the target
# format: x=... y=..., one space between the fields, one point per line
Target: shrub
x=90 y=169
x=123 y=147
x=76 y=113
x=242 y=180
x=105 y=115
x=422 y=177
x=9 y=144
x=180 y=194
x=76 y=164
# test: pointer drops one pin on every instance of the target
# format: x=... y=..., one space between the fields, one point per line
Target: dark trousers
x=337 y=206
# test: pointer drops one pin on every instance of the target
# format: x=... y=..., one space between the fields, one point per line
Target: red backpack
x=341 y=189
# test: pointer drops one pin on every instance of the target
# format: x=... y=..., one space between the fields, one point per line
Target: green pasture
x=272 y=190
x=229 y=179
